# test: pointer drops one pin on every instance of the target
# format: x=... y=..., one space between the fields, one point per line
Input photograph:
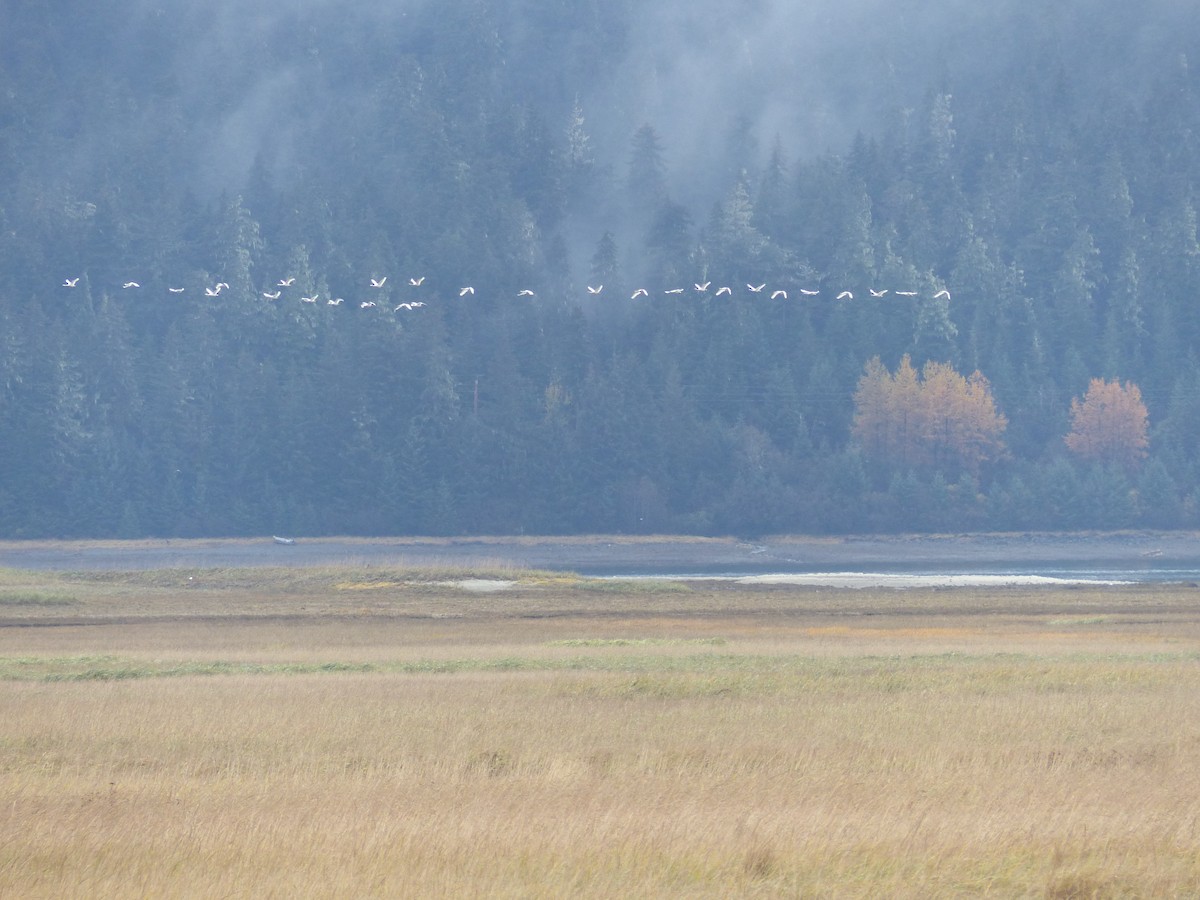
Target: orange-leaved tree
x=937 y=419
x=1110 y=424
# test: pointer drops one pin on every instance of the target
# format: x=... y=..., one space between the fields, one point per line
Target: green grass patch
x=979 y=675
x=631 y=586
x=1080 y=620
x=35 y=598
x=115 y=668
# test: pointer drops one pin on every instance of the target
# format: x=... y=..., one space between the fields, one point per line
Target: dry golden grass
x=271 y=734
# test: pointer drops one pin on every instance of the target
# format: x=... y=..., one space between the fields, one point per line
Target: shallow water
x=891 y=579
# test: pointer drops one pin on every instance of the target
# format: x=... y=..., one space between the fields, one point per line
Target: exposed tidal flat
x=1141 y=555
x=404 y=730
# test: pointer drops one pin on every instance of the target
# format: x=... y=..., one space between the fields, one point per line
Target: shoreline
x=613 y=554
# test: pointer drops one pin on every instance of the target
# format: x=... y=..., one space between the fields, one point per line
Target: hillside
x=1020 y=181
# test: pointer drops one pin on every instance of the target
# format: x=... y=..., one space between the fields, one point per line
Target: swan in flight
x=875 y=293
x=640 y=292
x=175 y=290
x=808 y=293
x=379 y=282
x=466 y=290
x=337 y=302
x=130 y=284
x=312 y=299
x=595 y=290
x=724 y=290
x=366 y=304
x=674 y=291
x=212 y=292
x=906 y=293
x=940 y=294
x=403 y=306
x=272 y=296
x=778 y=294
x=286 y=282
x=417 y=282
x=702 y=287
x=525 y=293
x=756 y=289
x=71 y=282
x=845 y=295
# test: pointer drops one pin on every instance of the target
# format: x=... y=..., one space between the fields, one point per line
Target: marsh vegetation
x=388 y=732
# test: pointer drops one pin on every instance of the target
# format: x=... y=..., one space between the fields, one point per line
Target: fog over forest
x=1019 y=177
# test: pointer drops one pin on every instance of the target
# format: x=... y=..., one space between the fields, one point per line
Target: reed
x=768 y=742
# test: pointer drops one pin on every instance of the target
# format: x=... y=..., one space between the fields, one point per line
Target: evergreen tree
x=1058 y=210
x=647 y=179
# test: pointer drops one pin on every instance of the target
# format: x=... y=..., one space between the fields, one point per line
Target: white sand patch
x=481 y=585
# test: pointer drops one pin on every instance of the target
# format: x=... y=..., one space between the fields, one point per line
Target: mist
x=257 y=81
x=306 y=88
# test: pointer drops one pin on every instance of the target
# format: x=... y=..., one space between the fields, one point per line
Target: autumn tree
x=1110 y=424
x=936 y=419
x=874 y=425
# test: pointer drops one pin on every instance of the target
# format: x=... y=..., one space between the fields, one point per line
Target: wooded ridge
x=1008 y=197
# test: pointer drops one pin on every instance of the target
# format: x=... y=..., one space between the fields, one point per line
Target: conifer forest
x=456 y=267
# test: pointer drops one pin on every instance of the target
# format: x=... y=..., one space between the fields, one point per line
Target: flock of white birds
x=593 y=289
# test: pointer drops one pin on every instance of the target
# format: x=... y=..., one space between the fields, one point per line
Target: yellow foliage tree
x=937 y=419
x=1110 y=424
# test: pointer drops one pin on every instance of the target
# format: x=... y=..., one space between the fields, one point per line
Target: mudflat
x=619 y=554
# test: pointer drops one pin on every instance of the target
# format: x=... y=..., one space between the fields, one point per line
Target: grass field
x=373 y=732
